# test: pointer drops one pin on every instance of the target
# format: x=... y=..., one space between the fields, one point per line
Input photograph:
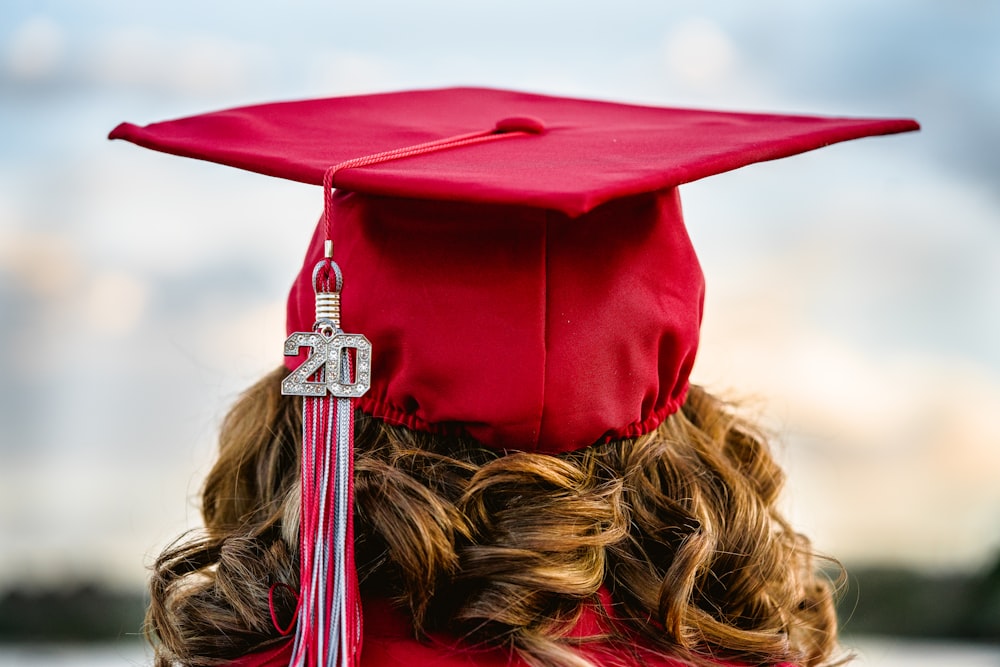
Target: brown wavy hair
x=679 y=525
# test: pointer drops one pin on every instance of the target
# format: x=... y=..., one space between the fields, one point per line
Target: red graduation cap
x=538 y=292
x=518 y=262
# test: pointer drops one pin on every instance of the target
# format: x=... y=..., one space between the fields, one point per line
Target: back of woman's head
x=679 y=526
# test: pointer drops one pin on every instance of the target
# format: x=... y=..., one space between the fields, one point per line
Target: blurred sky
x=854 y=293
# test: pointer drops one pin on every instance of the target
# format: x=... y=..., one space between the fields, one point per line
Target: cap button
x=528 y=124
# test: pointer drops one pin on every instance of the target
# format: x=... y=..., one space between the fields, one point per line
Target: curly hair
x=679 y=525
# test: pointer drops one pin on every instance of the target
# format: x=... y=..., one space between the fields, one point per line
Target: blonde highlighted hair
x=680 y=526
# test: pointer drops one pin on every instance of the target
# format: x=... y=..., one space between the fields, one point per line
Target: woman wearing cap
x=535 y=481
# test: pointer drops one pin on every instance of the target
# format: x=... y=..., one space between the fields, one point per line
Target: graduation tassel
x=328 y=629
x=337 y=370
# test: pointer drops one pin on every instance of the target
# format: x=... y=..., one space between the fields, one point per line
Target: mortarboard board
x=518 y=262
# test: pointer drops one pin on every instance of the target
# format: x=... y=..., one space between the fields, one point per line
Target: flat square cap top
x=571 y=155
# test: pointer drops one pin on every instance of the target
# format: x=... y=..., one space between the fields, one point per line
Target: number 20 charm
x=329 y=353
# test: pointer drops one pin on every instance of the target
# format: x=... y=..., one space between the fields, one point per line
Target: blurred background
x=853 y=293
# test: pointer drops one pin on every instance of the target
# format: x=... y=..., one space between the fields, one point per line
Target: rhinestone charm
x=324 y=365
